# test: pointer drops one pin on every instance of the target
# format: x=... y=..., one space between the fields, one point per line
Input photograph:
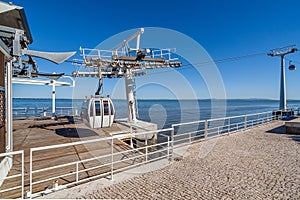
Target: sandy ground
x=259 y=163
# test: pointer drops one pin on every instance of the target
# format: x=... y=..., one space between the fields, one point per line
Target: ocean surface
x=162 y=112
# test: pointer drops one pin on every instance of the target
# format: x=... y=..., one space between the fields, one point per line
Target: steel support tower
x=282 y=52
x=126 y=62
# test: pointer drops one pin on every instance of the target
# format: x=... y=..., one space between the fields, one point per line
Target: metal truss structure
x=126 y=62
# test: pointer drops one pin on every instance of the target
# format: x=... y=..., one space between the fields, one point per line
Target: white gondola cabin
x=98 y=112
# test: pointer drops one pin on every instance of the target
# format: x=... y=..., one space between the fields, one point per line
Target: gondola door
x=106 y=113
x=91 y=117
x=97 y=118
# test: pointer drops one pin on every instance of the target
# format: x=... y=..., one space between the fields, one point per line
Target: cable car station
x=43 y=154
x=121 y=62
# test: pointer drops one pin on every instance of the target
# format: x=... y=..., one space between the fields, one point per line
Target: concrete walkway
x=259 y=163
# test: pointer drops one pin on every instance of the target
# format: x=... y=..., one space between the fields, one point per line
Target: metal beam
x=5 y=50
x=53 y=83
x=134 y=58
x=39 y=82
x=8 y=95
x=141 y=31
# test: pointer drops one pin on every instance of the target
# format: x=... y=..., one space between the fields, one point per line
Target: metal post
x=9 y=144
x=146 y=144
x=129 y=84
x=245 y=122
x=53 y=98
x=172 y=142
x=22 y=193
x=77 y=173
x=76 y=111
x=205 y=129
x=228 y=126
x=282 y=105
x=30 y=174
x=130 y=95
x=267 y=117
x=138 y=38
x=131 y=141
x=168 y=149
x=190 y=137
x=112 y=159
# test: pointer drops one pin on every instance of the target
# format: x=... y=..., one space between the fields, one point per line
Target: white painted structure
x=282 y=52
x=98 y=112
x=52 y=82
x=126 y=62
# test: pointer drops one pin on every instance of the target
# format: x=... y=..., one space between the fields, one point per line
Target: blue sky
x=224 y=29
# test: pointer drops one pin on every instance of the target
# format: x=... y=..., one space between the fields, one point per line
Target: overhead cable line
x=202 y=64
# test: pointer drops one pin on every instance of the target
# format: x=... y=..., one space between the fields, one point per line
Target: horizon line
x=165 y=99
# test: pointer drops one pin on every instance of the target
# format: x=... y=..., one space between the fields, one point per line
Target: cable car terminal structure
x=17 y=65
x=120 y=62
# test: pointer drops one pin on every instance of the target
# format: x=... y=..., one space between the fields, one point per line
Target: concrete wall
x=292 y=127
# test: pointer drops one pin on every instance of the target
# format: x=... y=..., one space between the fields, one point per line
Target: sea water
x=165 y=112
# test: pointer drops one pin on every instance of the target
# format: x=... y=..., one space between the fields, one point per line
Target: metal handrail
x=9 y=154
x=243 y=124
x=45 y=111
x=161 y=150
x=164 y=146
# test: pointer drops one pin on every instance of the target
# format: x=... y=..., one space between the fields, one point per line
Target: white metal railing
x=67 y=111
x=111 y=161
x=211 y=128
x=11 y=155
x=44 y=111
x=108 y=54
x=119 y=160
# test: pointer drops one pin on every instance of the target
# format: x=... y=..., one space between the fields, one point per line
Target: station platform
x=34 y=132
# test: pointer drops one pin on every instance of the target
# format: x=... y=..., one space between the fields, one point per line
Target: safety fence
x=96 y=158
x=107 y=55
x=60 y=166
x=203 y=129
x=15 y=158
x=44 y=111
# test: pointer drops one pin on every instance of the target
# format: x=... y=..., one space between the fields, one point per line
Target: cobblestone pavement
x=250 y=164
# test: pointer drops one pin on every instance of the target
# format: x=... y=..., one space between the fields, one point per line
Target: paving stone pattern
x=252 y=164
